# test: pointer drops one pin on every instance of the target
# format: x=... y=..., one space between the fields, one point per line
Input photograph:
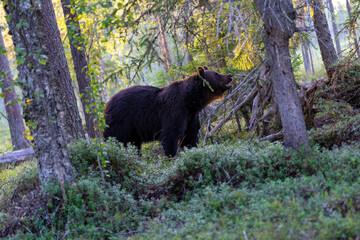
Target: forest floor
x=236 y=189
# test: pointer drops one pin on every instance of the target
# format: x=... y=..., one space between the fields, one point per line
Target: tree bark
x=311 y=61
x=279 y=26
x=61 y=71
x=80 y=63
x=354 y=32
x=305 y=54
x=327 y=49
x=304 y=49
x=51 y=111
x=12 y=107
x=164 y=46
x=335 y=28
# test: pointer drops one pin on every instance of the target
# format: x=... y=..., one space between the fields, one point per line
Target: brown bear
x=169 y=114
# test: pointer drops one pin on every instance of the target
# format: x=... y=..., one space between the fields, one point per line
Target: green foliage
x=224 y=191
x=5 y=146
x=337 y=122
x=183 y=71
x=16 y=181
x=136 y=174
x=343 y=131
x=290 y=209
x=92 y=210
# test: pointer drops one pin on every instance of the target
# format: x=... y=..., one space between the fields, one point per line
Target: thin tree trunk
x=12 y=107
x=279 y=26
x=354 y=31
x=335 y=28
x=187 y=56
x=305 y=54
x=164 y=46
x=104 y=94
x=308 y=19
x=304 y=48
x=311 y=61
x=325 y=42
x=80 y=63
x=51 y=111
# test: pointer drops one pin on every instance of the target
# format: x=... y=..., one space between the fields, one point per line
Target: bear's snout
x=227 y=83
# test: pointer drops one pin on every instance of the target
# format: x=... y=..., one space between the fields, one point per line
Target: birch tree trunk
x=279 y=26
x=327 y=49
x=12 y=107
x=50 y=111
x=80 y=63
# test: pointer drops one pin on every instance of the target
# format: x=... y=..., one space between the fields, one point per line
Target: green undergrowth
x=336 y=123
x=256 y=190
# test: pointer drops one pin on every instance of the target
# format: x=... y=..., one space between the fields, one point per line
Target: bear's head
x=219 y=83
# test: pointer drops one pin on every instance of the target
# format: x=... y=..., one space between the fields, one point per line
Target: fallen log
x=273 y=137
x=16 y=156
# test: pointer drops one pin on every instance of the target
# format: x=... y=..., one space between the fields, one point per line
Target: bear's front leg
x=170 y=147
x=169 y=139
x=191 y=133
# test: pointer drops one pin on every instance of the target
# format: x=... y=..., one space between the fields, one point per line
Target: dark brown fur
x=170 y=114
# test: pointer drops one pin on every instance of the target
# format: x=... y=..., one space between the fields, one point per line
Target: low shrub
x=342 y=132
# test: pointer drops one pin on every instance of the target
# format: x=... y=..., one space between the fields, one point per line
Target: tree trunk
x=327 y=49
x=308 y=19
x=279 y=26
x=80 y=63
x=12 y=108
x=61 y=71
x=335 y=28
x=50 y=111
x=354 y=31
x=164 y=46
x=305 y=54
x=304 y=49
x=187 y=56
x=311 y=61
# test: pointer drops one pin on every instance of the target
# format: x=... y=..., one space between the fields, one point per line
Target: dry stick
x=249 y=83
x=250 y=96
x=246 y=80
x=260 y=103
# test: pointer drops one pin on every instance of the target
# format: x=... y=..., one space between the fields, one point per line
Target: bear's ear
x=201 y=71
x=205 y=68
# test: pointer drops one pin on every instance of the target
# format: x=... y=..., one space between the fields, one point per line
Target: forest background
x=243 y=180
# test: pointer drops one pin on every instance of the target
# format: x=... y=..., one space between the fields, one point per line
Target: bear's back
x=131 y=100
x=134 y=112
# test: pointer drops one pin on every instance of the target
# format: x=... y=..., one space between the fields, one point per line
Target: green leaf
x=42 y=61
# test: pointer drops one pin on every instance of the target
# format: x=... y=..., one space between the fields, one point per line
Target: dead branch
x=249 y=97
